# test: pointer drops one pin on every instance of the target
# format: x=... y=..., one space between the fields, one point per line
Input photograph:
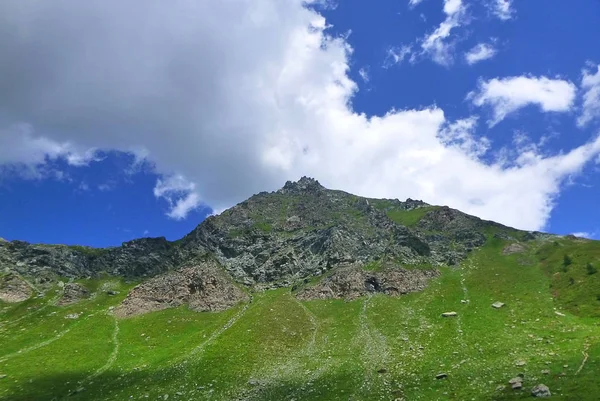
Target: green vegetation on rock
x=409 y=218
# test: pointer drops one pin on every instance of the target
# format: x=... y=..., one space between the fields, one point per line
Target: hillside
x=305 y=293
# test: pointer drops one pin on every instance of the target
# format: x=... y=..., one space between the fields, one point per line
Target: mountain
x=305 y=293
x=298 y=231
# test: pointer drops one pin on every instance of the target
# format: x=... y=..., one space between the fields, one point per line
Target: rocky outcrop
x=515 y=247
x=137 y=258
x=302 y=230
x=203 y=286
x=353 y=282
x=72 y=293
x=14 y=289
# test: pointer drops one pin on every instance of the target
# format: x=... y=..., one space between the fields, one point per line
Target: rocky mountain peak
x=303 y=185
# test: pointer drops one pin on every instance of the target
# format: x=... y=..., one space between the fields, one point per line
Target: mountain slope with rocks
x=306 y=293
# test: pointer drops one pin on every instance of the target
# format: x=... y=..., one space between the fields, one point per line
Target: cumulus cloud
x=502 y=9
x=590 y=84
x=507 y=95
x=231 y=98
x=438 y=44
x=180 y=193
x=480 y=52
x=24 y=153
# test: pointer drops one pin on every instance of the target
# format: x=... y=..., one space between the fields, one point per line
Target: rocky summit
x=306 y=293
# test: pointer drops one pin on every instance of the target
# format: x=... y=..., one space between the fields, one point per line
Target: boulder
x=203 y=286
x=541 y=391
x=72 y=293
x=14 y=289
x=449 y=314
x=513 y=248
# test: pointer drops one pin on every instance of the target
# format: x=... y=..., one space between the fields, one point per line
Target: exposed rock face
x=73 y=292
x=14 y=289
x=456 y=233
x=141 y=257
x=204 y=287
x=353 y=282
x=541 y=391
x=513 y=248
x=301 y=230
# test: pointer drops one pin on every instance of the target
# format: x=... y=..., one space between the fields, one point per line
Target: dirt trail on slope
x=51 y=302
x=200 y=349
x=375 y=355
x=293 y=368
x=46 y=342
x=113 y=355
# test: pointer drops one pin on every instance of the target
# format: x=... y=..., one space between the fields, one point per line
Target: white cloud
x=27 y=153
x=590 y=84
x=502 y=9
x=364 y=74
x=232 y=98
x=437 y=44
x=396 y=55
x=107 y=186
x=583 y=234
x=480 y=52
x=180 y=193
x=507 y=95
x=414 y=3
x=461 y=134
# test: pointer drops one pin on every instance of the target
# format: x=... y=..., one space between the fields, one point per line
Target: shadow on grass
x=158 y=383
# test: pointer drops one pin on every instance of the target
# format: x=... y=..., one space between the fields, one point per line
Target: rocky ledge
x=204 y=286
x=353 y=282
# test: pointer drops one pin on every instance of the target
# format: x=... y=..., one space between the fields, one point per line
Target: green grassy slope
x=374 y=348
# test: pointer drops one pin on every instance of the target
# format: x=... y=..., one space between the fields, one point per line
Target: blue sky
x=489 y=106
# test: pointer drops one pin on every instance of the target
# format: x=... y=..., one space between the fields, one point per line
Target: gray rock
x=517 y=386
x=514 y=380
x=449 y=314
x=541 y=390
x=352 y=282
x=498 y=305
x=202 y=285
x=513 y=248
x=14 y=289
x=72 y=293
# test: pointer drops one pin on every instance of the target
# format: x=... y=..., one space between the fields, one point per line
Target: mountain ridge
x=268 y=236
